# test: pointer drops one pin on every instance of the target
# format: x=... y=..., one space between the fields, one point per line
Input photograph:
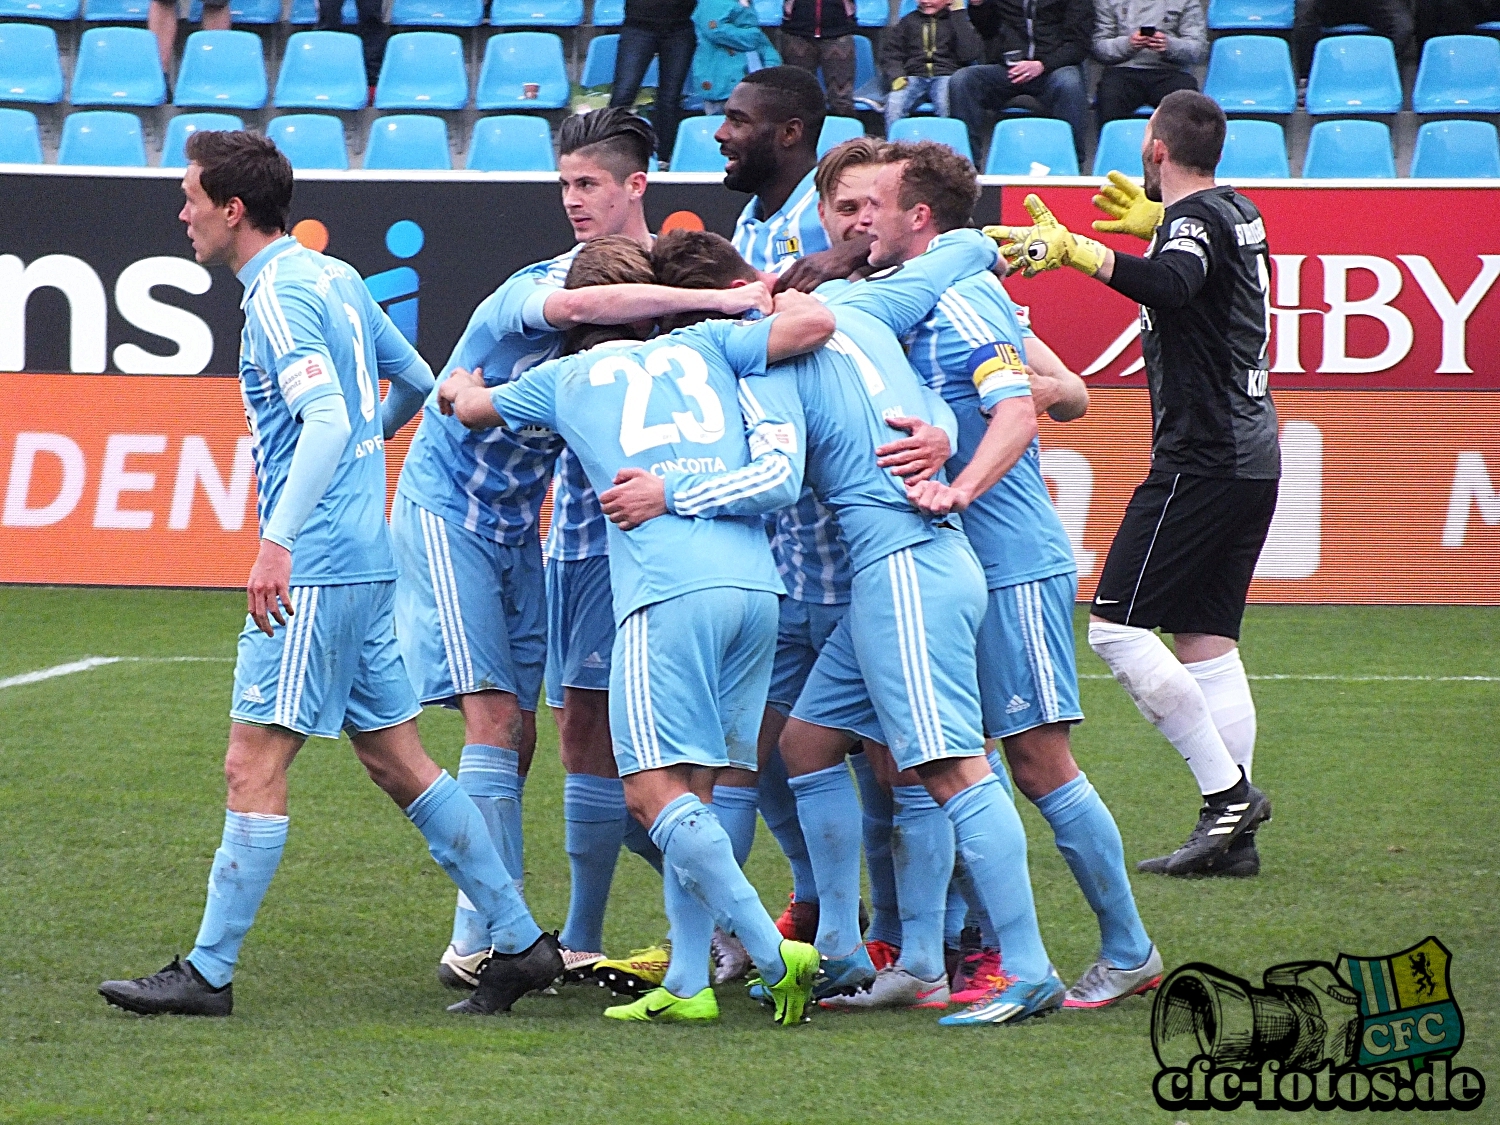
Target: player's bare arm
x=1055 y=389
x=918 y=456
x=625 y=304
x=464 y=396
x=836 y=263
x=802 y=324
x=1011 y=430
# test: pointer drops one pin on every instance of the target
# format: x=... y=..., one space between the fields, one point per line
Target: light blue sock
x=457 y=839
x=638 y=840
x=488 y=775
x=1090 y=841
x=699 y=854
x=997 y=764
x=735 y=807
x=594 y=819
x=993 y=845
x=691 y=928
x=877 y=810
x=922 y=848
x=247 y=857
x=778 y=808
x=830 y=816
x=977 y=915
x=955 y=914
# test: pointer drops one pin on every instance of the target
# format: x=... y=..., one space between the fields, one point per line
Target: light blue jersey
x=492 y=482
x=577 y=530
x=772 y=243
x=669 y=406
x=972 y=351
x=312 y=330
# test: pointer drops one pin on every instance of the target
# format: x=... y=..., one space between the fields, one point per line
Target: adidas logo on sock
x=252 y=694
x=1016 y=704
x=593 y=660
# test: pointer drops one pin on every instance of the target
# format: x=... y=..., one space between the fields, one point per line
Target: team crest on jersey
x=789 y=246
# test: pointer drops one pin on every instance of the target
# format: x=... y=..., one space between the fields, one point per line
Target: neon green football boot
x=789 y=995
x=661 y=1006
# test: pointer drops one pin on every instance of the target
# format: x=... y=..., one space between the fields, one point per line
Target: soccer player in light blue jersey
x=694 y=595
x=973 y=350
x=318 y=653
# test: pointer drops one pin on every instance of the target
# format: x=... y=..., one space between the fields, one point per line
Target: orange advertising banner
x=1388 y=496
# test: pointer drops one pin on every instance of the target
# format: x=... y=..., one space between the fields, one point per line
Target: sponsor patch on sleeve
x=995 y=367
x=308 y=372
x=767 y=438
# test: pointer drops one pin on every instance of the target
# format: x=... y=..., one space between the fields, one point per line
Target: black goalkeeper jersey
x=1205 y=337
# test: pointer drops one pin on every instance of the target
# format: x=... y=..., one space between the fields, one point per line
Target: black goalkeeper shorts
x=1184 y=554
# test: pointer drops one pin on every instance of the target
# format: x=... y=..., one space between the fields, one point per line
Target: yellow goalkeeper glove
x=1129 y=210
x=1046 y=245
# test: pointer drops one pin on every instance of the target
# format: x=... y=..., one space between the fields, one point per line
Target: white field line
x=1339 y=679
x=90 y=662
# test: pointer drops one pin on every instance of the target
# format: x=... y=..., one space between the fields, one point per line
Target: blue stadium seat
x=1254 y=150
x=423 y=70
x=696 y=150
x=608 y=13
x=1021 y=146
x=872 y=13
x=1354 y=74
x=184 y=125
x=437 y=13
x=243 y=11
x=60 y=10
x=118 y=66
x=222 y=69
x=1251 y=74
x=116 y=11
x=768 y=12
x=1459 y=74
x=29 y=66
x=322 y=70
x=305 y=13
x=513 y=59
x=1456 y=150
x=311 y=140
x=1120 y=147
x=410 y=142
x=104 y=137
x=512 y=142
x=837 y=130
x=1249 y=15
x=536 y=13
x=20 y=139
x=1349 y=150
x=945 y=130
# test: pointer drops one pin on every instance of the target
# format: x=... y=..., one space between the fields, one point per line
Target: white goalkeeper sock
x=1169 y=697
x=1227 y=692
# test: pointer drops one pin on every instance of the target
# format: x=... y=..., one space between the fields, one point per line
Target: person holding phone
x=1146 y=47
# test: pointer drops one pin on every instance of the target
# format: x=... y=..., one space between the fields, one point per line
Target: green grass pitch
x=110 y=808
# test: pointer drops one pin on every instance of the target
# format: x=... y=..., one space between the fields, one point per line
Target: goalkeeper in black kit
x=1184 y=554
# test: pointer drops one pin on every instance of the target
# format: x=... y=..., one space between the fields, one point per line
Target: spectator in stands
x=371 y=30
x=730 y=46
x=662 y=29
x=1142 y=68
x=161 y=18
x=1390 y=18
x=921 y=53
x=820 y=34
x=1036 y=50
x=1454 y=17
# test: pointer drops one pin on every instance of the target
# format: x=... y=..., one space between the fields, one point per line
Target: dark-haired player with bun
x=1184 y=554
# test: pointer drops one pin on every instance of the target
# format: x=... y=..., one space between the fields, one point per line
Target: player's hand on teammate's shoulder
x=806 y=274
x=637 y=496
x=458 y=379
x=269 y=590
x=745 y=298
x=918 y=456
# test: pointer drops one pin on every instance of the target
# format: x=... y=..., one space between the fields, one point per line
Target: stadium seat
x=536 y=13
x=311 y=140
x=1354 y=74
x=410 y=142
x=437 y=13
x=1120 y=147
x=837 y=130
x=243 y=11
x=1459 y=74
x=20 y=139
x=514 y=59
x=184 y=125
x=1032 y=146
x=945 y=130
x=872 y=13
x=105 y=137
x=696 y=150
x=116 y=11
x=1251 y=74
x=304 y=13
x=1254 y=150
x=768 y=12
x=599 y=66
x=1349 y=150
x=423 y=70
x=29 y=66
x=513 y=142
x=1249 y=15
x=322 y=70
x=222 y=68
x=608 y=13
x=118 y=66
x=60 y=10
x=1456 y=150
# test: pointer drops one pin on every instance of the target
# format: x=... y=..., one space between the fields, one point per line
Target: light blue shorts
x=905 y=652
x=333 y=666
x=580 y=626
x=689 y=680
x=1028 y=674
x=469 y=611
x=801 y=632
